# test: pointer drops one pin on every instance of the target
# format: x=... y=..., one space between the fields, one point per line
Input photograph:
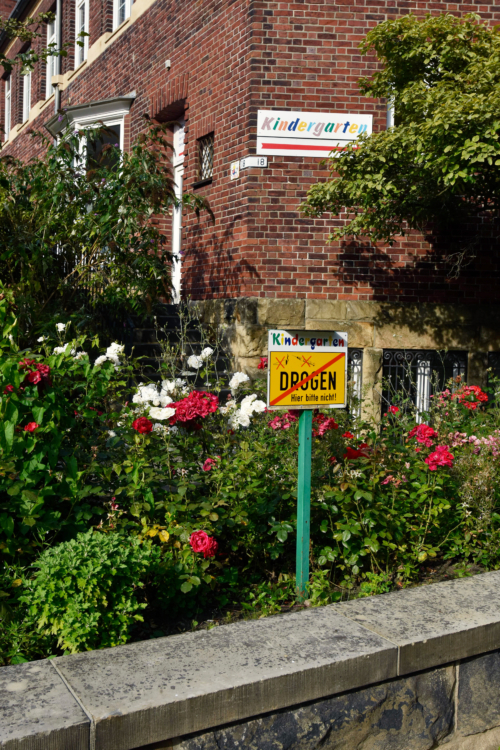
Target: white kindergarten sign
x=314 y=134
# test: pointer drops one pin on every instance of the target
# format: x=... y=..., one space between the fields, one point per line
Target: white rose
x=59 y=349
x=42 y=339
x=171 y=385
x=100 y=360
x=156 y=412
x=195 y=362
x=237 y=379
x=61 y=326
x=259 y=407
x=206 y=353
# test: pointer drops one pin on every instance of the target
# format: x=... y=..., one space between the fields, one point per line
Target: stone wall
x=412 y=670
x=456 y=707
x=371 y=326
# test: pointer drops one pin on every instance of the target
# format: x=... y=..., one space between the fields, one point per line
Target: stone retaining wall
x=412 y=670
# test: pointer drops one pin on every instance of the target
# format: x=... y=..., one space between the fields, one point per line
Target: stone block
x=247 y=341
x=38 y=712
x=358 y=334
x=438 y=624
x=476 y=368
x=324 y=309
x=414 y=713
x=152 y=691
x=365 y=310
x=286 y=313
x=479 y=694
x=489 y=740
x=372 y=376
x=399 y=336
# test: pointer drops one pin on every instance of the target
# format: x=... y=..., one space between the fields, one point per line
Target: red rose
x=440 y=457
x=199 y=541
x=211 y=548
x=8 y=389
x=393 y=410
x=209 y=463
x=142 y=425
x=262 y=364
x=347 y=435
x=31 y=427
x=24 y=364
x=197 y=404
x=325 y=424
x=352 y=453
x=33 y=377
x=424 y=434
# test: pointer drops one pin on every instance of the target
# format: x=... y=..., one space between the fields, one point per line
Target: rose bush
x=207 y=482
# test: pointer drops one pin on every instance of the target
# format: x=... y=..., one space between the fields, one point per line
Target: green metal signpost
x=304 y=503
x=306 y=370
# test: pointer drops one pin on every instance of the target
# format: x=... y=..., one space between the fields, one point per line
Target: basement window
x=413 y=376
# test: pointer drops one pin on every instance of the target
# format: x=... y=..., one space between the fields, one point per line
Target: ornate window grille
x=206 y=157
x=415 y=375
x=355 y=380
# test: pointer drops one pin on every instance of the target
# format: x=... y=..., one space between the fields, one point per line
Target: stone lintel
x=435 y=624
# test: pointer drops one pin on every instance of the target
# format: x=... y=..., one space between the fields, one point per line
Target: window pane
x=206 y=157
x=122 y=9
x=97 y=155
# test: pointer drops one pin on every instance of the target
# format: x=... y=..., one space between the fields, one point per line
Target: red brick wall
x=6 y=7
x=229 y=59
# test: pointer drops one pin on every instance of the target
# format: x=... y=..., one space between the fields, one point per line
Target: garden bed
x=134 y=511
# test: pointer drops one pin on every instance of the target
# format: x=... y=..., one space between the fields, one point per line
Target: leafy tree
x=437 y=169
x=76 y=231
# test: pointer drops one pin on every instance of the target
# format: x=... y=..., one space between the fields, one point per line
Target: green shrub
x=85 y=590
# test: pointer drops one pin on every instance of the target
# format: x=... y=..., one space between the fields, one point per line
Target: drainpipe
x=57 y=93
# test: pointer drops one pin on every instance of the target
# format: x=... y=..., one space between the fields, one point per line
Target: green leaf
x=186 y=586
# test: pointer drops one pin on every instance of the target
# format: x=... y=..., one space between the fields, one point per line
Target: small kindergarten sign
x=306 y=369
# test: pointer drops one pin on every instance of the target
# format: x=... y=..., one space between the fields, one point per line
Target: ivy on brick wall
x=436 y=171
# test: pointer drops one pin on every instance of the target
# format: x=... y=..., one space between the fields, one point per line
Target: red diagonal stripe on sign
x=306 y=380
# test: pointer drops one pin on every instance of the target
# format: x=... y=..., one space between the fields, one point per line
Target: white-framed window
x=8 y=107
x=121 y=11
x=178 y=167
x=107 y=112
x=26 y=96
x=81 y=27
x=51 y=65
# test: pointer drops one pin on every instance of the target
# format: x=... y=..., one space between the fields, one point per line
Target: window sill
x=118 y=28
x=75 y=71
x=202 y=183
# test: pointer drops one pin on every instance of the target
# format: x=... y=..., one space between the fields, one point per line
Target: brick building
x=212 y=65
